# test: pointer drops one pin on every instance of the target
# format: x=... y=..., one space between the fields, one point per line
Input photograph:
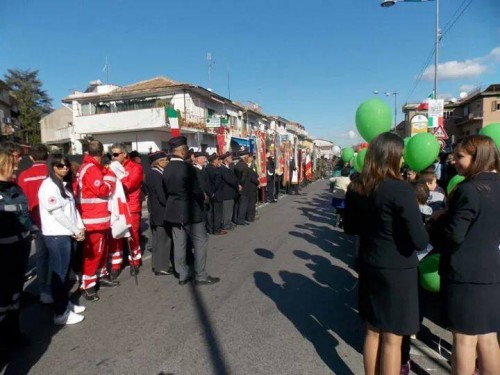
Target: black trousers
x=270 y=190
x=241 y=209
x=251 y=209
x=214 y=217
x=14 y=260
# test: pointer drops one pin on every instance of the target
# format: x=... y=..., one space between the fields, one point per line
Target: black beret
x=177 y=141
x=198 y=154
x=243 y=153
x=225 y=155
x=213 y=157
x=156 y=155
x=133 y=154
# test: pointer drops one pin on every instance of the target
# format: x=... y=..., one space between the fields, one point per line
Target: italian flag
x=173 y=121
x=424 y=106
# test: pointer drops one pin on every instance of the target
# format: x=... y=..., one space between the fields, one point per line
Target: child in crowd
x=338 y=186
x=436 y=198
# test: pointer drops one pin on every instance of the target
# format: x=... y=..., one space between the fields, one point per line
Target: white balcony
x=150 y=118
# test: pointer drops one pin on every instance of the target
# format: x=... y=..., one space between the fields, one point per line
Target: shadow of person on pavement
x=318 y=312
x=37 y=323
x=264 y=253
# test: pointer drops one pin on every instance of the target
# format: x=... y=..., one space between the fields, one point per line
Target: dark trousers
x=252 y=202
x=277 y=185
x=60 y=250
x=214 y=217
x=197 y=233
x=270 y=190
x=227 y=213
x=162 y=247
x=14 y=258
x=241 y=209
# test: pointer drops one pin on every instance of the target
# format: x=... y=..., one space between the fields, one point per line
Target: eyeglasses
x=61 y=166
x=116 y=154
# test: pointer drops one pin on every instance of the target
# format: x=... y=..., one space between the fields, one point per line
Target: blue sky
x=313 y=62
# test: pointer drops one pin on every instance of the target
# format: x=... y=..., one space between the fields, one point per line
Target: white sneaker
x=69 y=317
x=46 y=298
x=76 y=308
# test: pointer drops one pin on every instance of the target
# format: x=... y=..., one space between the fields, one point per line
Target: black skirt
x=388 y=299
x=472 y=309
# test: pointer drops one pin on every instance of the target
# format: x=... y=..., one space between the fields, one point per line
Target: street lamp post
x=389 y=3
x=395 y=94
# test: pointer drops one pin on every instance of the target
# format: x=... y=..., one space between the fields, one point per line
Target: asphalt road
x=286 y=305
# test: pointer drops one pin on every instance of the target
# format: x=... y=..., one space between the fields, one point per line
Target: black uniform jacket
x=184 y=196
x=14 y=214
x=253 y=178
x=270 y=169
x=230 y=183
x=389 y=224
x=468 y=233
x=216 y=182
x=204 y=181
x=242 y=172
x=153 y=185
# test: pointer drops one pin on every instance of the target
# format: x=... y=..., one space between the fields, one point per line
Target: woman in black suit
x=382 y=209
x=468 y=237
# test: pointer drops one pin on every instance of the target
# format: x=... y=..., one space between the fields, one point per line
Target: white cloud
x=466 y=88
x=471 y=68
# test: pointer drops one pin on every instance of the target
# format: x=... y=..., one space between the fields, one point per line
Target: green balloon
x=347 y=154
x=406 y=140
x=359 y=160
x=429 y=276
x=492 y=131
x=373 y=117
x=455 y=180
x=421 y=151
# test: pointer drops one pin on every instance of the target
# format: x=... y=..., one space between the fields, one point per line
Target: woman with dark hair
x=15 y=244
x=61 y=226
x=468 y=236
x=382 y=209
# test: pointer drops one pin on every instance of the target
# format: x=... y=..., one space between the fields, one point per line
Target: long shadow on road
x=322 y=308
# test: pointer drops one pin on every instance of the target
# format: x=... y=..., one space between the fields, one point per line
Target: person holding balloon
x=468 y=237
x=382 y=209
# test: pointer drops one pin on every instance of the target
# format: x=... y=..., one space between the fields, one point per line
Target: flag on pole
x=424 y=106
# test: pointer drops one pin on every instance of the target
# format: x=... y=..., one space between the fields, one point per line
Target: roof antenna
x=106 y=69
x=210 y=64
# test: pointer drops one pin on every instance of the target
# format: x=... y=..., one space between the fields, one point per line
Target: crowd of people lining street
x=84 y=219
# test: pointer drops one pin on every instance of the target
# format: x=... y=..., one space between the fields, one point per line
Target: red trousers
x=116 y=246
x=95 y=255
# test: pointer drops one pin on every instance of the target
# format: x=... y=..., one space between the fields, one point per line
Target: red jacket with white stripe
x=132 y=184
x=95 y=185
x=29 y=181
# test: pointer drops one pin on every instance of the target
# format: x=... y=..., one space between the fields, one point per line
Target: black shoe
x=90 y=295
x=114 y=274
x=107 y=282
x=162 y=273
x=208 y=281
x=186 y=281
x=134 y=271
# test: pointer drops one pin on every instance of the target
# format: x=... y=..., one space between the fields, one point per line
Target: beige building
x=57 y=129
x=463 y=117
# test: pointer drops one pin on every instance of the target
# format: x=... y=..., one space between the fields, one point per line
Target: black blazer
x=204 y=181
x=230 y=183
x=183 y=193
x=216 y=183
x=389 y=224
x=468 y=233
x=242 y=172
x=153 y=185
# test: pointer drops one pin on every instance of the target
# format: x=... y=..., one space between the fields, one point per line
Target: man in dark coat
x=242 y=172
x=230 y=188
x=214 y=223
x=270 y=170
x=162 y=247
x=184 y=212
x=253 y=192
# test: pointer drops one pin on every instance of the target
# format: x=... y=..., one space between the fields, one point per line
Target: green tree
x=34 y=102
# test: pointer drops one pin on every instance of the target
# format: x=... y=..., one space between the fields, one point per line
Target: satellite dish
x=454 y=100
x=463 y=95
